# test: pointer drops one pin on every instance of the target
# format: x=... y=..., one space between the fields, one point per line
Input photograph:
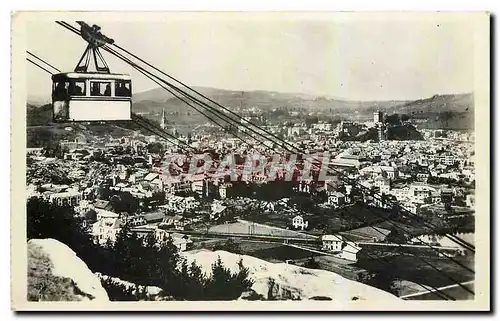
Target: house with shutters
x=336 y=199
x=298 y=222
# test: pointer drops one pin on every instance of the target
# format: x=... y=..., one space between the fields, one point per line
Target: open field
x=280 y=253
x=434 y=271
x=329 y=219
x=243 y=227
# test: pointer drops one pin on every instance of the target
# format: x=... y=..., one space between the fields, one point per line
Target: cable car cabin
x=91 y=97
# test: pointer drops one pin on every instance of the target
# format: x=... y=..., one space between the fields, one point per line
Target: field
x=256 y=229
x=326 y=219
x=434 y=271
x=338 y=266
x=273 y=252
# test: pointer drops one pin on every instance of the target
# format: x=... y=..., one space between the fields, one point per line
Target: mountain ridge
x=443 y=110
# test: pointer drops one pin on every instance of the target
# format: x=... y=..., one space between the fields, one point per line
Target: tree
x=270 y=289
x=155 y=148
x=228 y=246
x=311 y=264
x=225 y=285
x=396 y=236
x=405 y=117
x=121 y=292
x=393 y=120
x=383 y=279
x=47 y=220
x=190 y=282
x=124 y=202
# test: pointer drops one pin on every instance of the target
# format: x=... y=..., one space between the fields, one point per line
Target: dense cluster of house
x=435 y=171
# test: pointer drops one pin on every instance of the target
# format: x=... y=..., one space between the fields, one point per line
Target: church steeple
x=162 y=123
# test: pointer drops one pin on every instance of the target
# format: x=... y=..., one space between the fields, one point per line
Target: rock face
x=55 y=273
x=282 y=281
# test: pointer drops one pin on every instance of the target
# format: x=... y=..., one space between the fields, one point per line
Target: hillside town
x=134 y=180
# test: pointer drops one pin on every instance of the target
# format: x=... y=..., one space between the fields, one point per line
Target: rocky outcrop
x=55 y=273
x=280 y=281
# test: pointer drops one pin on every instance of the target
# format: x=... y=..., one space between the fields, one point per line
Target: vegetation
x=138 y=260
x=403 y=132
x=228 y=246
x=42 y=284
x=392 y=120
x=383 y=280
x=121 y=292
x=193 y=284
x=311 y=264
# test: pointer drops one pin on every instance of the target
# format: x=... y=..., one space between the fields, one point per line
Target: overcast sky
x=370 y=59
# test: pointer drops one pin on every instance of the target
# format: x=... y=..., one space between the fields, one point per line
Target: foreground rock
x=55 y=273
x=280 y=281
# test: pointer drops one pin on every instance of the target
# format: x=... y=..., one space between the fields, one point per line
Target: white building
x=470 y=200
x=106 y=227
x=342 y=249
x=378 y=117
x=419 y=193
x=349 y=252
x=298 y=222
x=390 y=171
x=332 y=243
x=336 y=199
x=223 y=190
x=68 y=197
x=383 y=184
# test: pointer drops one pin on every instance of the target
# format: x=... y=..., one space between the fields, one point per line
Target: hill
x=440 y=111
x=38 y=115
x=438 y=103
x=156 y=99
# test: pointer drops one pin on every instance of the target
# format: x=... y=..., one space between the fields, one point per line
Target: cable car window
x=76 y=88
x=60 y=90
x=122 y=88
x=100 y=88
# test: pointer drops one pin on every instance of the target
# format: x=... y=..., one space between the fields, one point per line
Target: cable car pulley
x=95 y=40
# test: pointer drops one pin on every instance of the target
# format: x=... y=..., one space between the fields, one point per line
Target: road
x=416 y=246
x=454 y=290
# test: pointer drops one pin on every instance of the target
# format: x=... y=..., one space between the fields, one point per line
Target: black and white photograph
x=250 y=160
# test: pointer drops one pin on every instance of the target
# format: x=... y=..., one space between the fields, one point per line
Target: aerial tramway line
x=75 y=93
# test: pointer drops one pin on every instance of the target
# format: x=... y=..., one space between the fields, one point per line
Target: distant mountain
x=441 y=111
x=161 y=95
x=152 y=100
x=438 y=103
x=38 y=115
x=38 y=100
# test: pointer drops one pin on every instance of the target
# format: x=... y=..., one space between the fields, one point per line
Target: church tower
x=162 y=123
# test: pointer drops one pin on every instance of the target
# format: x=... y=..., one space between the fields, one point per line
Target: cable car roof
x=90 y=75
